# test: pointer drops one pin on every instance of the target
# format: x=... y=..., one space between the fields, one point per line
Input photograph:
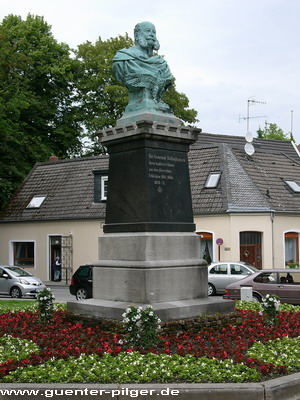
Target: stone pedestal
x=149 y=268
x=149 y=253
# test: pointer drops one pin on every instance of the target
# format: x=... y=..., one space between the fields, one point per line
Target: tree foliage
x=51 y=97
x=272 y=132
x=37 y=114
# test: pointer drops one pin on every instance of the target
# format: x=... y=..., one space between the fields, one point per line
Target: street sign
x=219 y=241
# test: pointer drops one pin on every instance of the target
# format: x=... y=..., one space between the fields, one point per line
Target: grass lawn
x=16 y=305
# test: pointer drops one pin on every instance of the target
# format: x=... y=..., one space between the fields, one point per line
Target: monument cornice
x=148 y=129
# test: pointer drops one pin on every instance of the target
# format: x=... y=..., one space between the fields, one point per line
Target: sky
x=231 y=58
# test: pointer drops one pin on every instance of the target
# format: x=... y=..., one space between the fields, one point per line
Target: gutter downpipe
x=272 y=216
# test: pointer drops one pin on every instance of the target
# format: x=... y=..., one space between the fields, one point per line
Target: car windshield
x=18 y=271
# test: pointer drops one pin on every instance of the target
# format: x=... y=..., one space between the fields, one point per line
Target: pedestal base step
x=166 y=311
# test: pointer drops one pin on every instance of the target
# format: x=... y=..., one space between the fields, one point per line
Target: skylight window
x=293 y=185
x=36 y=202
x=213 y=180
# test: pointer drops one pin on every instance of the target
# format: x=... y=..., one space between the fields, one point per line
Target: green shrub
x=45 y=305
x=141 y=326
x=134 y=368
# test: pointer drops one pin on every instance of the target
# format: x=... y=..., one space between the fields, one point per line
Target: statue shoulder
x=125 y=54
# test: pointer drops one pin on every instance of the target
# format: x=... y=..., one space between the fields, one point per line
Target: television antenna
x=252 y=102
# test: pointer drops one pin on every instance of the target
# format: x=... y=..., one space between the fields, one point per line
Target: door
x=4 y=282
x=250 y=248
x=238 y=272
x=55 y=251
x=219 y=276
x=289 y=287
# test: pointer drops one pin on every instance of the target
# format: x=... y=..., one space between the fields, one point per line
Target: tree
x=37 y=113
x=103 y=98
x=272 y=132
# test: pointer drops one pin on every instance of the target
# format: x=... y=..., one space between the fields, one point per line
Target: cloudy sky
x=221 y=52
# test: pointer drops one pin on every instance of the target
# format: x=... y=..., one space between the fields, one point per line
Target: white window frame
x=212 y=180
x=104 y=181
x=36 y=202
x=292 y=185
x=12 y=256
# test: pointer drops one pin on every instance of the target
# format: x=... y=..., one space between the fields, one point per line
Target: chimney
x=53 y=158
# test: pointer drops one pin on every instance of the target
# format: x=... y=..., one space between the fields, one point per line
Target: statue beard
x=144 y=43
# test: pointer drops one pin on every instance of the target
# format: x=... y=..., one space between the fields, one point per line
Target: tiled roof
x=69 y=189
x=248 y=183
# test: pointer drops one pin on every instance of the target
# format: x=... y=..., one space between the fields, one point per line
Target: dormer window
x=213 y=180
x=36 y=202
x=293 y=185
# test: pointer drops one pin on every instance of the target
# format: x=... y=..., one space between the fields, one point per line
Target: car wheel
x=15 y=292
x=81 y=294
x=256 y=298
x=211 y=289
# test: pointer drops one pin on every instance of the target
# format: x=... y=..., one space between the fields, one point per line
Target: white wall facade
x=85 y=234
x=84 y=248
x=228 y=227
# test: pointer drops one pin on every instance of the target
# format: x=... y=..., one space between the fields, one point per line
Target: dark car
x=285 y=283
x=82 y=282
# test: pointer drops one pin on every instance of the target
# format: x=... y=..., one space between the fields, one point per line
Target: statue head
x=145 y=35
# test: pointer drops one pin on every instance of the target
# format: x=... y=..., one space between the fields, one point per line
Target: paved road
x=61 y=293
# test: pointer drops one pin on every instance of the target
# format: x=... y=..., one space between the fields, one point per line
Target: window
x=100 y=186
x=104 y=182
x=213 y=180
x=293 y=185
x=85 y=272
x=291 y=246
x=220 y=269
x=292 y=278
x=23 y=254
x=266 y=277
x=206 y=246
x=239 y=270
x=36 y=202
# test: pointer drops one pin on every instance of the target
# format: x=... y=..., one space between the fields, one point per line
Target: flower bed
x=248 y=351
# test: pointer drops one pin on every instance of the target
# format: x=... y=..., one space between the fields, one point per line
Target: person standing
x=56 y=267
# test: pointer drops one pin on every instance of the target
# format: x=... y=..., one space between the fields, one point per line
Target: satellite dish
x=249 y=137
x=249 y=149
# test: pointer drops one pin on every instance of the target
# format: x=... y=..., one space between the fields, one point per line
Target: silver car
x=17 y=282
x=221 y=274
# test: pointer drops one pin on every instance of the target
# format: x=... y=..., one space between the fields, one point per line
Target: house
x=251 y=203
x=245 y=207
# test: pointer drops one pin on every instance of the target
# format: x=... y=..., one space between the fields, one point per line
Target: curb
x=284 y=388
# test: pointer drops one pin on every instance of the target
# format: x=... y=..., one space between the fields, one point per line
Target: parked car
x=285 y=283
x=221 y=274
x=82 y=282
x=18 y=282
